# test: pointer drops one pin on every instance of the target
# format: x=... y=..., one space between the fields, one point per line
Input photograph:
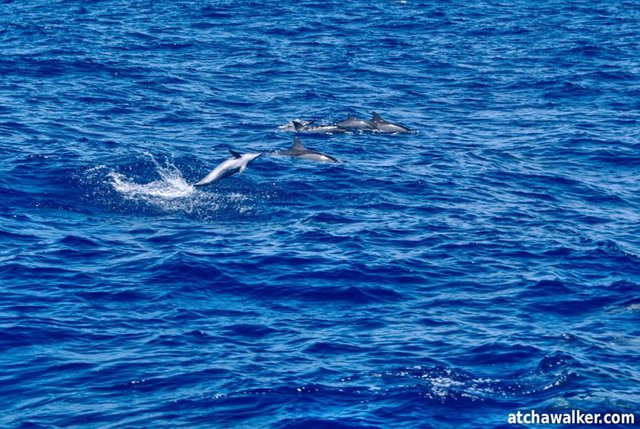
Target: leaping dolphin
x=383 y=126
x=234 y=165
x=299 y=151
x=355 y=124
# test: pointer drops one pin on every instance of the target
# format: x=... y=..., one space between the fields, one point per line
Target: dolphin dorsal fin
x=297 y=144
x=350 y=117
x=234 y=153
x=298 y=125
x=376 y=117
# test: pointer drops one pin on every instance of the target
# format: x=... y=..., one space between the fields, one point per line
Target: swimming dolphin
x=291 y=125
x=234 y=165
x=299 y=151
x=353 y=123
x=319 y=129
x=383 y=126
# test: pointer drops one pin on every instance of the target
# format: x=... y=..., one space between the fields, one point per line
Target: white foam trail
x=170 y=186
x=166 y=188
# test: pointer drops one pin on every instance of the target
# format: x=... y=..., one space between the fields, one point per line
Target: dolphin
x=234 y=165
x=291 y=126
x=299 y=151
x=383 y=126
x=353 y=123
x=319 y=129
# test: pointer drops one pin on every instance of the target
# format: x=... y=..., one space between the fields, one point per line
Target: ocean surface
x=484 y=264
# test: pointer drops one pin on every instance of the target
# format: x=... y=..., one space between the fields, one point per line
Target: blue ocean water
x=487 y=263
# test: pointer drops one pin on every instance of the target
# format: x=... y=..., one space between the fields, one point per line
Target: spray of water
x=171 y=185
x=170 y=192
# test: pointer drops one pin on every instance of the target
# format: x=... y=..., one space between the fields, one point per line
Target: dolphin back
x=385 y=126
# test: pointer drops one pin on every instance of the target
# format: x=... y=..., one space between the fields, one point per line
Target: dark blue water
x=487 y=263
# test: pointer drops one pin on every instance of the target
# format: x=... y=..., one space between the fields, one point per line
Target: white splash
x=166 y=188
x=167 y=191
x=171 y=184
